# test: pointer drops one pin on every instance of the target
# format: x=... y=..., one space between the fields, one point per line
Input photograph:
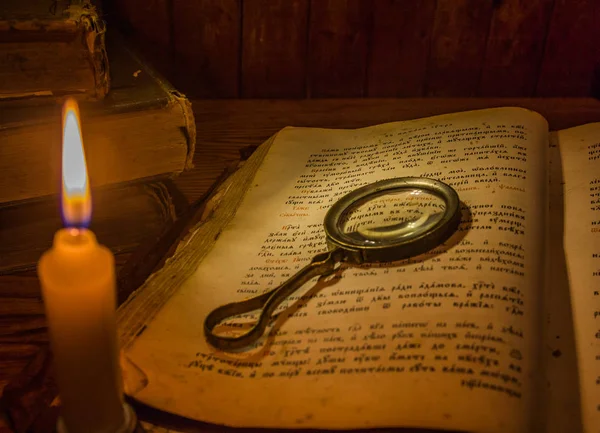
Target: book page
x=580 y=151
x=561 y=399
x=448 y=339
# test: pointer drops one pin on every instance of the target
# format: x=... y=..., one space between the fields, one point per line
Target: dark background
x=368 y=48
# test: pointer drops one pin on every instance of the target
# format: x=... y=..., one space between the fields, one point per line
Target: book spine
x=125 y=217
x=94 y=31
x=190 y=125
x=54 y=57
x=175 y=99
x=93 y=34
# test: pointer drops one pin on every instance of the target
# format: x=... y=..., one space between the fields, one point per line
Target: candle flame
x=76 y=197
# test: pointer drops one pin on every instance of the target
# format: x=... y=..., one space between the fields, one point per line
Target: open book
x=477 y=335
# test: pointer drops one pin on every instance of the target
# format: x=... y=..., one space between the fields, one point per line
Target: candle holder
x=130 y=425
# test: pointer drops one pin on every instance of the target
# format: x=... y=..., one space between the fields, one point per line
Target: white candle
x=77 y=276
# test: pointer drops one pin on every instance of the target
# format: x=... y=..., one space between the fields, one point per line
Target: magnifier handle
x=321 y=264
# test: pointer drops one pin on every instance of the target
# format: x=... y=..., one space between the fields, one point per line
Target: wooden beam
x=572 y=55
x=515 y=48
x=458 y=45
x=274 y=45
x=338 y=45
x=400 y=47
x=206 y=43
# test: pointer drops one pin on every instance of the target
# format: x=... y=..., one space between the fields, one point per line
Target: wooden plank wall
x=370 y=48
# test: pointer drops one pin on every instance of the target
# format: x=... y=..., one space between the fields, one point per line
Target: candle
x=77 y=276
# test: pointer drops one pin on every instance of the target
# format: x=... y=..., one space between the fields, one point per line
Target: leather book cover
x=52 y=47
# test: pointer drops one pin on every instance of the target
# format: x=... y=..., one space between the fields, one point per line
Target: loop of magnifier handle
x=321 y=265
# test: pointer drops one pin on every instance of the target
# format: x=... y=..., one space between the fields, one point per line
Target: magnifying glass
x=384 y=221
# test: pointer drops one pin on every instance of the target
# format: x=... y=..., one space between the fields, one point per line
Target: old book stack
x=137 y=130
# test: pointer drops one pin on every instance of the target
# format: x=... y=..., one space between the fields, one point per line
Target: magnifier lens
x=392 y=216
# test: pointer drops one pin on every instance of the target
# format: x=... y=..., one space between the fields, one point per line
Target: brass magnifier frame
x=385 y=244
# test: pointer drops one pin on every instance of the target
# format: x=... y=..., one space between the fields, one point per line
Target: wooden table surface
x=223 y=128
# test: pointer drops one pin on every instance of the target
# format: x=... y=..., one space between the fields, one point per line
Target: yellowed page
x=560 y=396
x=580 y=152
x=449 y=339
